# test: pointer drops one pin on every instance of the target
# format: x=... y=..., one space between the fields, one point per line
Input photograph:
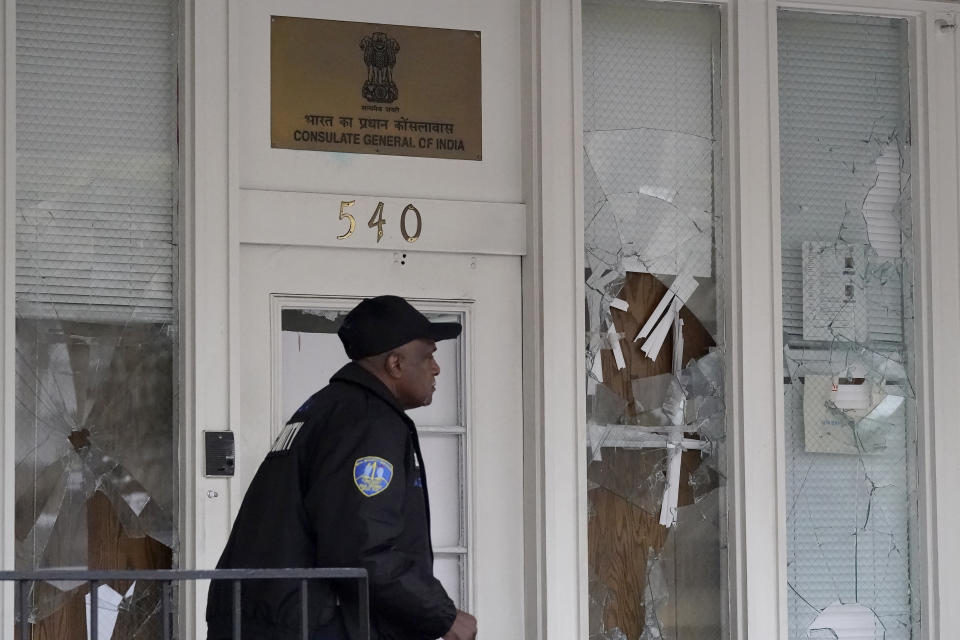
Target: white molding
x=534 y=551
x=207 y=293
x=580 y=322
x=939 y=306
x=557 y=248
x=468 y=455
x=925 y=563
x=312 y=219
x=735 y=606
x=233 y=224
x=891 y=8
x=923 y=570
x=758 y=592
x=187 y=460
x=8 y=25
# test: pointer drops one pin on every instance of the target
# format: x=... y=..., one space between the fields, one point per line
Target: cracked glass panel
x=96 y=306
x=847 y=251
x=653 y=216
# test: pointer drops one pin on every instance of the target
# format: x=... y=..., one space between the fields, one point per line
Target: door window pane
x=96 y=303
x=847 y=259
x=655 y=408
x=448 y=568
x=441 y=455
x=313 y=353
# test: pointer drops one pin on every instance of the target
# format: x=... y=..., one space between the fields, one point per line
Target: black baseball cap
x=380 y=324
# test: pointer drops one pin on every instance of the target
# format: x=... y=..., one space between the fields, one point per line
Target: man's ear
x=391 y=364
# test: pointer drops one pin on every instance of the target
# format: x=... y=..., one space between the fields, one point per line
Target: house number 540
x=377 y=221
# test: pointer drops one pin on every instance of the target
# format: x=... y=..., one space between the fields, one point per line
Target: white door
x=291 y=299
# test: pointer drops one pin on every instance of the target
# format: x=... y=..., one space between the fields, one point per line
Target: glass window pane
x=441 y=455
x=448 y=568
x=444 y=411
x=312 y=353
x=655 y=409
x=847 y=259
x=96 y=300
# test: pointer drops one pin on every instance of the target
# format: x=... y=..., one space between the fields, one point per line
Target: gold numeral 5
x=343 y=214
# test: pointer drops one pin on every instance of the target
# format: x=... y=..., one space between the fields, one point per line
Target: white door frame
x=219 y=215
x=7 y=306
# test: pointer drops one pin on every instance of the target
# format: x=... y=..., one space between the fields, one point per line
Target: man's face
x=418 y=372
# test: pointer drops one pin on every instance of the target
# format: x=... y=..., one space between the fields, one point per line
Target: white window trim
x=757 y=551
x=210 y=273
x=552 y=292
x=8 y=236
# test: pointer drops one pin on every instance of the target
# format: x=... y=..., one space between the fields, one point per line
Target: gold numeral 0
x=403 y=224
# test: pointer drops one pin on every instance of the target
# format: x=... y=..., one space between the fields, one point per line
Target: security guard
x=344 y=485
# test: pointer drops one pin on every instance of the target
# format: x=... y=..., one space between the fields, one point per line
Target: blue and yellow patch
x=372 y=475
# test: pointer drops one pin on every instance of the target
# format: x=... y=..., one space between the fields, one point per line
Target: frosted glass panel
x=449 y=571
x=444 y=411
x=847 y=251
x=309 y=361
x=312 y=353
x=441 y=454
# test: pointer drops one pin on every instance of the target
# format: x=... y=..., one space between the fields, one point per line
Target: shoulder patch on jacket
x=285 y=438
x=372 y=475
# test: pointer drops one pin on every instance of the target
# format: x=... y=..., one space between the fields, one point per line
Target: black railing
x=23 y=580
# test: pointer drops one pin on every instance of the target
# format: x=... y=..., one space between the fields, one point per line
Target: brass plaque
x=358 y=87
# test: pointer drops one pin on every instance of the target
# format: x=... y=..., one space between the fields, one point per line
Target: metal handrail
x=169 y=576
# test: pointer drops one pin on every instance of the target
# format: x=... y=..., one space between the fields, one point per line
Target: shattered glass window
x=654 y=213
x=847 y=259
x=96 y=306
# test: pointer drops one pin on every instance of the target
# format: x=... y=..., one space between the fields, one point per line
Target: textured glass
x=441 y=456
x=318 y=353
x=448 y=568
x=311 y=353
x=96 y=331
x=847 y=249
x=655 y=399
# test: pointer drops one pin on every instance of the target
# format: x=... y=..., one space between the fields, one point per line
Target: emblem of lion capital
x=380 y=56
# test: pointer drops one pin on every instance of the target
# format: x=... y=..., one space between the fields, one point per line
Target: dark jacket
x=343 y=486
